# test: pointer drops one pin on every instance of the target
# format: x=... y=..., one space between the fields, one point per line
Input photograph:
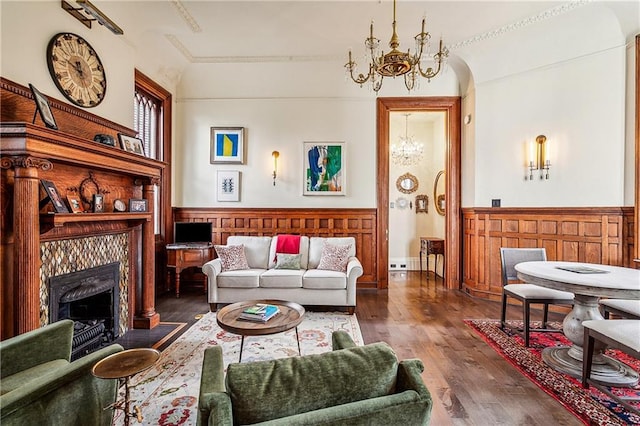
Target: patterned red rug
x=589 y=405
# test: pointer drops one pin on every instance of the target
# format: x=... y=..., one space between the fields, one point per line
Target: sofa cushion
x=232 y=257
x=304 y=252
x=316 y=244
x=282 y=278
x=287 y=261
x=9 y=383
x=334 y=258
x=256 y=249
x=246 y=278
x=272 y=389
x=323 y=279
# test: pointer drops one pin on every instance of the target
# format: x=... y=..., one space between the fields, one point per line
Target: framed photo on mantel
x=52 y=193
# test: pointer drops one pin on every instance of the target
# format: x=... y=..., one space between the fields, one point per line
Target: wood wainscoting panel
x=601 y=235
x=357 y=223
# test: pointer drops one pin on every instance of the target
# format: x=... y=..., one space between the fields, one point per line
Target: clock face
x=76 y=69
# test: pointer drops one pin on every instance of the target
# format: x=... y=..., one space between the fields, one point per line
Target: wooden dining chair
x=527 y=294
x=623 y=334
x=623 y=308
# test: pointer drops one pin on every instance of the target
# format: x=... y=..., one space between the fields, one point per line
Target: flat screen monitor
x=192 y=232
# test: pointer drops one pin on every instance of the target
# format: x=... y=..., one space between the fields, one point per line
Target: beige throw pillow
x=334 y=258
x=232 y=257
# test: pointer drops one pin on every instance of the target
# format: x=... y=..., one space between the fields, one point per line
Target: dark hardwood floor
x=470 y=383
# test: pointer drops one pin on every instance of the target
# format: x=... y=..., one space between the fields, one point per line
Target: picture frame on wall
x=324 y=168
x=228 y=185
x=131 y=144
x=44 y=108
x=52 y=193
x=227 y=145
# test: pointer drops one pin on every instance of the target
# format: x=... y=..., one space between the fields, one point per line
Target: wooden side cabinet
x=431 y=245
x=180 y=257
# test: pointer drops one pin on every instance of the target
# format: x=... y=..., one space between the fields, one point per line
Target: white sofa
x=306 y=286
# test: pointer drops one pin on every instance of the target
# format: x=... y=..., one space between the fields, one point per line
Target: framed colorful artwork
x=228 y=185
x=324 y=168
x=227 y=145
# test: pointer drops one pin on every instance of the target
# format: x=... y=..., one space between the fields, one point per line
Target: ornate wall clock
x=76 y=69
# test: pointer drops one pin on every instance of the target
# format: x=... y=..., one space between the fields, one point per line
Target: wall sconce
x=539 y=157
x=94 y=12
x=275 y=155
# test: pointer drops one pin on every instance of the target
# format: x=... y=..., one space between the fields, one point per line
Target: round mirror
x=407 y=183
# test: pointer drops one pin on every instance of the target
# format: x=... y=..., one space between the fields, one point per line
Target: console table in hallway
x=431 y=245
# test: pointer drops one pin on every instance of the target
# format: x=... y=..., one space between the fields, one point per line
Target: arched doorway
x=451 y=105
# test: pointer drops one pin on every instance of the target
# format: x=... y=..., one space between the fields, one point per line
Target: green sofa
x=353 y=385
x=40 y=386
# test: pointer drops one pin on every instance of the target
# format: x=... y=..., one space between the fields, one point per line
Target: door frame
x=453 y=217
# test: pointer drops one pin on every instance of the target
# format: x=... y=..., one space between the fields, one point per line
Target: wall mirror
x=407 y=183
x=439 y=199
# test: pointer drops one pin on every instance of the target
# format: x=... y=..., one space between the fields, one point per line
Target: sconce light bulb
x=275 y=155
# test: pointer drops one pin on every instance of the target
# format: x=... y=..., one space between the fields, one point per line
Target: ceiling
x=303 y=30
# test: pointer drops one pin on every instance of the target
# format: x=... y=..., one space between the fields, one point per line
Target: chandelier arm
x=429 y=74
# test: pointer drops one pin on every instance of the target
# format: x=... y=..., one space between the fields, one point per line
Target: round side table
x=122 y=366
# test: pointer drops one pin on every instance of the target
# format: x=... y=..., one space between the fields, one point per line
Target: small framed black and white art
x=228 y=185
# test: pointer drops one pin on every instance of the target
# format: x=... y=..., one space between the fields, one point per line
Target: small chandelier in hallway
x=407 y=151
x=396 y=63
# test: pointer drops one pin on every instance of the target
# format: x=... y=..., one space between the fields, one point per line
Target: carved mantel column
x=148 y=317
x=26 y=240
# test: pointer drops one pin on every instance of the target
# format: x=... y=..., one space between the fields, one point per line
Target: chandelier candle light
x=407 y=152
x=397 y=63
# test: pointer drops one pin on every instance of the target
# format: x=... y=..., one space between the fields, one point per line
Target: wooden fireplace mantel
x=29 y=153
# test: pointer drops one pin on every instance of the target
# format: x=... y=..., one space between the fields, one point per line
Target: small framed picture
x=54 y=196
x=98 y=203
x=75 y=204
x=131 y=144
x=227 y=145
x=43 y=107
x=422 y=204
x=228 y=185
x=137 y=205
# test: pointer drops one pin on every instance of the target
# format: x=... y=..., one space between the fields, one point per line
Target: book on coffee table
x=259 y=312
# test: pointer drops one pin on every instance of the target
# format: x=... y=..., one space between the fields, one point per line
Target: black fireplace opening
x=91 y=298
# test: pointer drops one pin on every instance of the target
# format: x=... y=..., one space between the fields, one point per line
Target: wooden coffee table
x=290 y=315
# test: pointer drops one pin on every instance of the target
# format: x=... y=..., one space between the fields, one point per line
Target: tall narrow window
x=147 y=112
x=147 y=121
x=152 y=121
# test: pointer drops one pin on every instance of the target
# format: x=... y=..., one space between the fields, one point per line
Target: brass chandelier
x=397 y=63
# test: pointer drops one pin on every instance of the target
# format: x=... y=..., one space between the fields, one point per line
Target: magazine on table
x=259 y=312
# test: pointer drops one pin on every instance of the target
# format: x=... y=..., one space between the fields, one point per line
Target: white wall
x=274 y=124
x=26 y=29
x=561 y=78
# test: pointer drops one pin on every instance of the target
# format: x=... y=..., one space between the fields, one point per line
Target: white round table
x=588 y=282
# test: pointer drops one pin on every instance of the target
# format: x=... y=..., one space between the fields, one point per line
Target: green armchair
x=352 y=385
x=40 y=386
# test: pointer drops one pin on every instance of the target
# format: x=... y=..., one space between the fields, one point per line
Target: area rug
x=589 y=405
x=168 y=392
